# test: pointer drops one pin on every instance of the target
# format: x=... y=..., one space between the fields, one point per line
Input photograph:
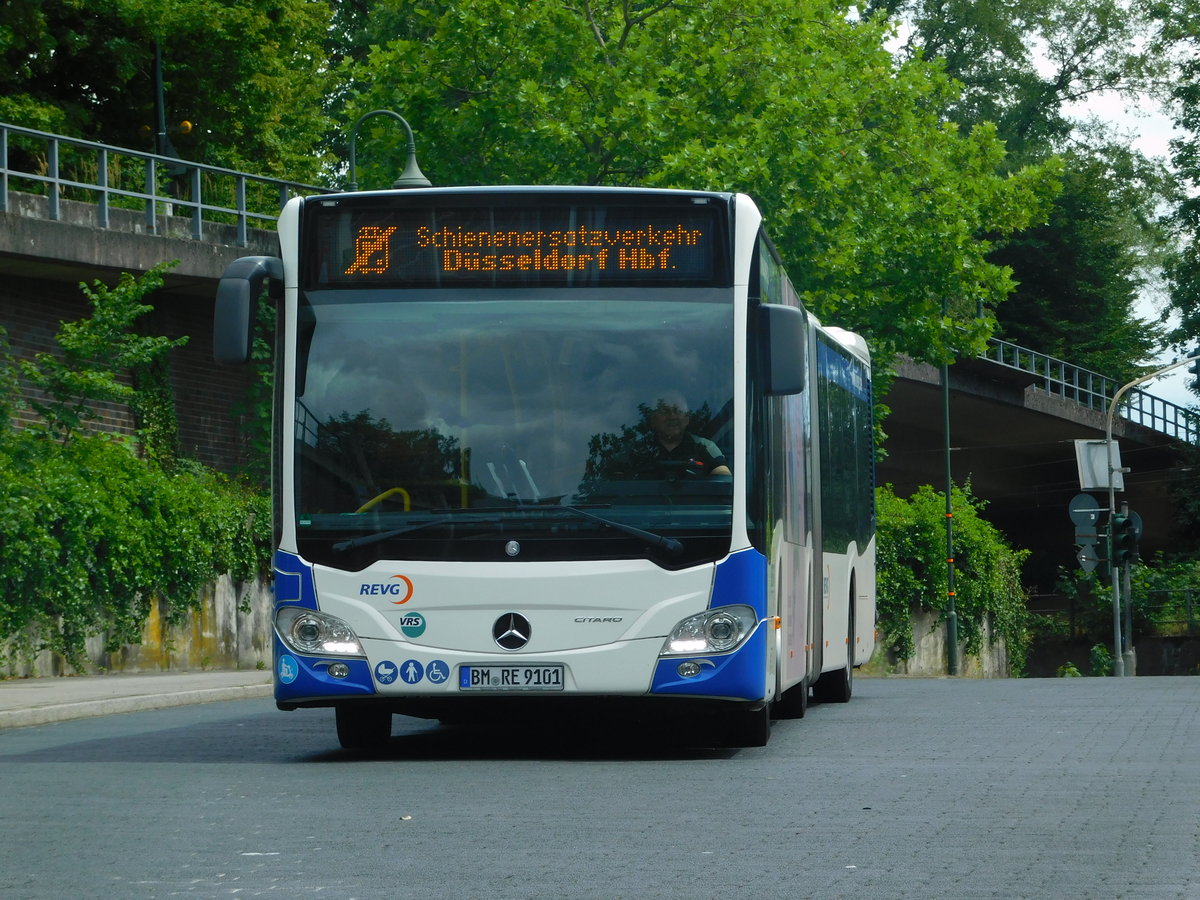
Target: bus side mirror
x=783 y=330
x=237 y=300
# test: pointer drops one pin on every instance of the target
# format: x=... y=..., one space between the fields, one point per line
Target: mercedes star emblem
x=512 y=631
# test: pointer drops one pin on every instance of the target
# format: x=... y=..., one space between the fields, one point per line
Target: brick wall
x=205 y=394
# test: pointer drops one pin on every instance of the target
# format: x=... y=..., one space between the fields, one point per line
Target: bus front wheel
x=749 y=727
x=793 y=703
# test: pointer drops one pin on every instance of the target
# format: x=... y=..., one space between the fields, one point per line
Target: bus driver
x=674 y=446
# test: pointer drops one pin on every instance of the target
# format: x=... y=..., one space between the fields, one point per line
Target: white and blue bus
x=551 y=445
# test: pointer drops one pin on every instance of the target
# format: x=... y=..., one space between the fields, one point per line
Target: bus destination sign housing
x=534 y=240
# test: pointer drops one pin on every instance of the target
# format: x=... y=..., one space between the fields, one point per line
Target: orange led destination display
x=459 y=250
x=516 y=245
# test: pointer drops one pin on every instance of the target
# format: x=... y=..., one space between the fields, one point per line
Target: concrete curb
x=48 y=713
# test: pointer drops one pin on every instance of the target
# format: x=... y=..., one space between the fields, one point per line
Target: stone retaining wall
x=231 y=630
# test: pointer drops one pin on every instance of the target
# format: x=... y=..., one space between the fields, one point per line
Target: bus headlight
x=312 y=632
x=714 y=631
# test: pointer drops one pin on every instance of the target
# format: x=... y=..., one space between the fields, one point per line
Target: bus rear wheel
x=363 y=727
x=838 y=686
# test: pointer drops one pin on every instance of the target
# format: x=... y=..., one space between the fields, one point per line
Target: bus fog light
x=688 y=669
x=339 y=670
x=714 y=631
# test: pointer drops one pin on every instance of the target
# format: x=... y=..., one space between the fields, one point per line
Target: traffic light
x=1124 y=539
x=1088 y=516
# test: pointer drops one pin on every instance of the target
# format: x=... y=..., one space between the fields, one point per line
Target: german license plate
x=505 y=677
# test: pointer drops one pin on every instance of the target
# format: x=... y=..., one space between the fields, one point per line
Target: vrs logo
x=402 y=587
x=412 y=624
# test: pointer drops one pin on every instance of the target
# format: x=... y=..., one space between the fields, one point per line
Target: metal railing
x=108 y=177
x=1158 y=613
x=1173 y=611
x=1095 y=391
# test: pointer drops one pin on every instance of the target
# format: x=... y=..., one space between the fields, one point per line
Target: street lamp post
x=1118 y=651
x=951 y=592
x=411 y=176
x=951 y=603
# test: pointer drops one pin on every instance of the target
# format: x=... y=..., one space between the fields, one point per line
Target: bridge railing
x=1096 y=391
x=61 y=168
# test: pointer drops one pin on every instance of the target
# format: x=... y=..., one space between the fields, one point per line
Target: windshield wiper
x=667 y=544
x=368 y=539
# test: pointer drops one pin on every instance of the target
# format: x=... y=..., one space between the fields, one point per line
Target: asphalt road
x=1072 y=788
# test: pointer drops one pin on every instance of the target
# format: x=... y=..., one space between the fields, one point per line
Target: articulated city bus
x=557 y=445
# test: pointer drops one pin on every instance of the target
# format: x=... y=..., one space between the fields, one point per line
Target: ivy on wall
x=912 y=574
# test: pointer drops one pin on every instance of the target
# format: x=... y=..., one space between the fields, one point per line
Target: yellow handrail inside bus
x=388 y=493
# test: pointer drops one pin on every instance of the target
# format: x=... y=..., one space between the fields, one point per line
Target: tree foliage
x=250 y=74
x=1180 y=32
x=1026 y=65
x=95 y=354
x=1080 y=274
x=1023 y=63
x=881 y=208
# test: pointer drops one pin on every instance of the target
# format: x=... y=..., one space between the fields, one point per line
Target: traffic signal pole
x=1119 y=651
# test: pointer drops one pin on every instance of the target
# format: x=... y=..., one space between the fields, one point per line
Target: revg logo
x=400 y=587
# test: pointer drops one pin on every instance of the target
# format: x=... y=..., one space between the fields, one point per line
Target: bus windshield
x=526 y=425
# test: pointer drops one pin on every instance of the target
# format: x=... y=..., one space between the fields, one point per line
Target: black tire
x=793 y=703
x=838 y=686
x=363 y=727
x=749 y=727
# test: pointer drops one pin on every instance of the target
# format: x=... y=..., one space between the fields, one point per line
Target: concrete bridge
x=1014 y=418
x=1014 y=414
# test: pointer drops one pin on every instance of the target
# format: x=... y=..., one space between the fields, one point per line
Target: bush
x=912 y=574
x=91 y=534
x=1101 y=660
x=94 y=526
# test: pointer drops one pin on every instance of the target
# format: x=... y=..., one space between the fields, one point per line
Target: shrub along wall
x=95 y=541
x=104 y=535
x=913 y=583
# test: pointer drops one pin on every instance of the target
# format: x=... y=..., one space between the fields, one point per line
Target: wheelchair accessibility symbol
x=437 y=672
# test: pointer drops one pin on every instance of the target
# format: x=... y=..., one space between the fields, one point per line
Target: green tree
x=880 y=207
x=95 y=355
x=251 y=75
x=1023 y=64
x=1179 y=36
x=1080 y=274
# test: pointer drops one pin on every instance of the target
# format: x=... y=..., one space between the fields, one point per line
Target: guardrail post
x=3 y=170
x=197 y=207
x=151 y=194
x=102 y=178
x=242 y=236
x=52 y=193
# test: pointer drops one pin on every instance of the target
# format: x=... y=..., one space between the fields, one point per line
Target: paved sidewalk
x=40 y=701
